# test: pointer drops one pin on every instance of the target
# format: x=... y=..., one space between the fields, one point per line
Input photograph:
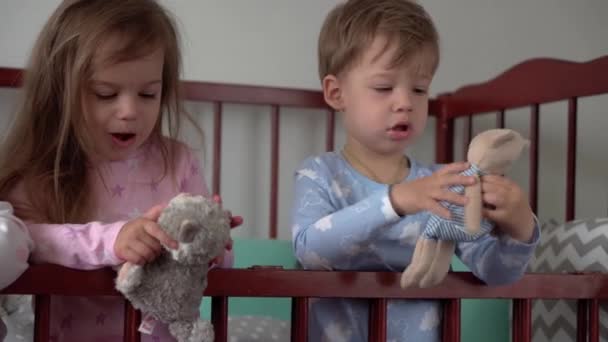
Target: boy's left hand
x=506 y=204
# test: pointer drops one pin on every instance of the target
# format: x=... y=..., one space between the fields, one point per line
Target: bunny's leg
x=472 y=210
x=422 y=259
x=440 y=265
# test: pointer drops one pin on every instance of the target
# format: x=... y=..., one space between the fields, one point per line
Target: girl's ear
x=332 y=92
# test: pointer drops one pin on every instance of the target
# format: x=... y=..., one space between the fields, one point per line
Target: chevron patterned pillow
x=580 y=245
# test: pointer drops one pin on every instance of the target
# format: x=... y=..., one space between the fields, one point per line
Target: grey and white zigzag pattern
x=580 y=245
x=576 y=246
x=555 y=321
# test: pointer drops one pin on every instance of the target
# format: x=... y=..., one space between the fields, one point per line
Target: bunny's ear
x=187 y=231
x=503 y=138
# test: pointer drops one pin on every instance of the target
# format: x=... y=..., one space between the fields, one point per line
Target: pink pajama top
x=122 y=190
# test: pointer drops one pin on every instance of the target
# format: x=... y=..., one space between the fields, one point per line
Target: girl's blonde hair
x=46 y=149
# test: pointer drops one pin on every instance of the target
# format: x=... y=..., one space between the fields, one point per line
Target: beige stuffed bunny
x=490 y=152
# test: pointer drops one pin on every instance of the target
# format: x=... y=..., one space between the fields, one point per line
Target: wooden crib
x=528 y=84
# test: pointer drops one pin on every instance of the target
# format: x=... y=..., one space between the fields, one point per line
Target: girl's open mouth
x=123 y=139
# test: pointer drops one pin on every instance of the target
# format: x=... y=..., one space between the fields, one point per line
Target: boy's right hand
x=139 y=240
x=426 y=192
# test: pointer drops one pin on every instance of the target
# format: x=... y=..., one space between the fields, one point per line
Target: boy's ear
x=332 y=92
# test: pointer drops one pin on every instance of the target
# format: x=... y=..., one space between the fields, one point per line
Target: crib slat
x=522 y=320
x=219 y=318
x=217 y=147
x=299 y=319
x=132 y=321
x=274 y=170
x=594 y=320
x=42 y=314
x=444 y=134
x=571 y=168
x=330 y=131
x=451 y=320
x=500 y=119
x=581 y=320
x=534 y=120
x=377 y=320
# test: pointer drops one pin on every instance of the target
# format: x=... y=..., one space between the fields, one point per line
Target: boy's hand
x=426 y=192
x=139 y=240
x=506 y=204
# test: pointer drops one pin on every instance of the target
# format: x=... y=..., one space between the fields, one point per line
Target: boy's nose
x=402 y=101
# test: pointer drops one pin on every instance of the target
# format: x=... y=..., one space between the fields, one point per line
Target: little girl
x=86 y=165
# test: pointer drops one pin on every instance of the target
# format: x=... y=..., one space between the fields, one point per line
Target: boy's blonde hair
x=47 y=147
x=351 y=26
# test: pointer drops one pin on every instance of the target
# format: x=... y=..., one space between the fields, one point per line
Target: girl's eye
x=105 y=96
x=420 y=91
x=148 y=95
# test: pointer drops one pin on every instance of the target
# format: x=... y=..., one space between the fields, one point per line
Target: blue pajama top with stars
x=342 y=220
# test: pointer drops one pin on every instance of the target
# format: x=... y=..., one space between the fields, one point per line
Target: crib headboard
x=529 y=84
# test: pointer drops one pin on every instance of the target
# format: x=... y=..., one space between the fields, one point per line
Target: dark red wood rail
x=540 y=80
x=55 y=280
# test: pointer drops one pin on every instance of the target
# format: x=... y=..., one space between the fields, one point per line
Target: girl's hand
x=506 y=204
x=426 y=192
x=139 y=240
x=235 y=221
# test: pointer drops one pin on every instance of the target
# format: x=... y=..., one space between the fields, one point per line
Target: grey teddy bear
x=170 y=288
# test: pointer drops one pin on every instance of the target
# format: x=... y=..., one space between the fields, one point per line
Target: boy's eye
x=420 y=91
x=383 y=89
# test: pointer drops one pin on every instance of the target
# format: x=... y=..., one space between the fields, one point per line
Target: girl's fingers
x=132 y=257
x=155 y=231
x=235 y=221
x=152 y=243
x=141 y=249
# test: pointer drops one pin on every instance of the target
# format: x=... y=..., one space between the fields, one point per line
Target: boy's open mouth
x=400 y=127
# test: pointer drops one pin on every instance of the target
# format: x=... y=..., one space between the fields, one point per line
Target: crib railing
x=588 y=289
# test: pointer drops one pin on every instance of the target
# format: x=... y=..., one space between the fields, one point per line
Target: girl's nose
x=127 y=108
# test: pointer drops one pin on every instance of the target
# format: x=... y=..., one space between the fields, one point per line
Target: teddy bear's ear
x=187 y=231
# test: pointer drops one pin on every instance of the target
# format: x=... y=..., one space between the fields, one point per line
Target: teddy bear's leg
x=181 y=330
x=129 y=277
x=190 y=331
x=440 y=265
x=203 y=331
x=422 y=259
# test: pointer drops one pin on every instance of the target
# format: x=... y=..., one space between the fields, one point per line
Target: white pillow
x=15 y=246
